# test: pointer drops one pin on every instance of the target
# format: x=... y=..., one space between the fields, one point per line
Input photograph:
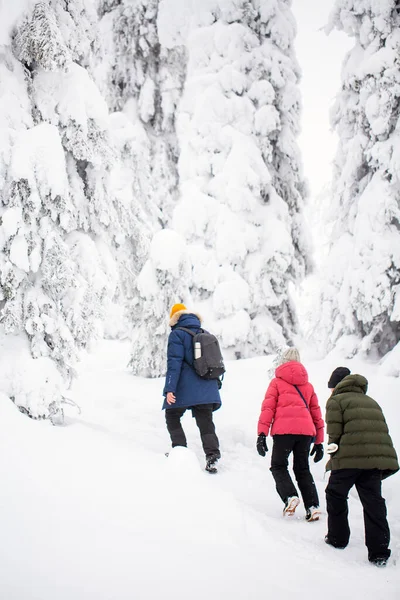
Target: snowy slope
x=95 y=510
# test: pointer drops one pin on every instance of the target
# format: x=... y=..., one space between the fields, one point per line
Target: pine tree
x=144 y=79
x=71 y=213
x=39 y=43
x=241 y=186
x=361 y=301
x=162 y=282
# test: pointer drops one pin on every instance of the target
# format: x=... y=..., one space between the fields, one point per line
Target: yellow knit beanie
x=176 y=308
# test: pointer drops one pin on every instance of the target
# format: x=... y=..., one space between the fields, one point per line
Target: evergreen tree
x=162 y=282
x=241 y=186
x=71 y=215
x=361 y=295
x=142 y=78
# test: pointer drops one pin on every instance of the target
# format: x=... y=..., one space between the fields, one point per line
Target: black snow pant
x=283 y=446
x=368 y=483
x=203 y=413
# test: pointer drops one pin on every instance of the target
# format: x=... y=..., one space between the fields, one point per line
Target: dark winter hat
x=337 y=375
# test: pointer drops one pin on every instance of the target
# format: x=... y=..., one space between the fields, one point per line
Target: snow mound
x=183 y=463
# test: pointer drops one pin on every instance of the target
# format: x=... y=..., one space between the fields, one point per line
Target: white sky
x=320 y=57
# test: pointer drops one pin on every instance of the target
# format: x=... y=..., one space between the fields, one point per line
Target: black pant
x=283 y=446
x=204 y=421
x=368 y=483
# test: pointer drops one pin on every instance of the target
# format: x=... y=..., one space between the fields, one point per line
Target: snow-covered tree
x=241 y=185
x=74 y=232
x=361 y=295
x=144 y=79
x=163 y=281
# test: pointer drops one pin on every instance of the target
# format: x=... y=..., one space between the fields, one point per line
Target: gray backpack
x=208 y=362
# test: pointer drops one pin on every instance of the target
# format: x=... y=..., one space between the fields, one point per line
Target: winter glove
x=262 y=447
x=318 y=450
x=332 y=448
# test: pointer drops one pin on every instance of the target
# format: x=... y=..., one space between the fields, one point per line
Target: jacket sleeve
x=268 y=408
x=316 y=416
x=334 y=420
x=175 y=355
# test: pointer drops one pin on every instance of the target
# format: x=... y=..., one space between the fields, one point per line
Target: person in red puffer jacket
x=291 y=414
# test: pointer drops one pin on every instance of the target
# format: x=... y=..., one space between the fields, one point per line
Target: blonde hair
x=290 y=354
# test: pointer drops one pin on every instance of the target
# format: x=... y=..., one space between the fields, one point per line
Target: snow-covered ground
x=95 y=510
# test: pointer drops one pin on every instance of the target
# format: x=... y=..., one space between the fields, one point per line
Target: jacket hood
x=351 y=383
x=185 y=318
x=293 y=372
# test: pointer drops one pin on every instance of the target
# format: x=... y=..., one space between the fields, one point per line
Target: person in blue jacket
x=184 y=389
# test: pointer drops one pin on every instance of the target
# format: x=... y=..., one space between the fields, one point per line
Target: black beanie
x=337 y=375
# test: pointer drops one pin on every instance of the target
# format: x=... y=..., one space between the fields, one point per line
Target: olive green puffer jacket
x=356 y=423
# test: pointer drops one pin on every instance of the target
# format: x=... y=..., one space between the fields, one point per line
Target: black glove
x=318 y=450
x=262 y=447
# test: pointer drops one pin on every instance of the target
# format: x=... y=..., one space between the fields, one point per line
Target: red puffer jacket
x=284 y=408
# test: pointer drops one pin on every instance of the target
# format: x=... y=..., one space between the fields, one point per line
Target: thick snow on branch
x=361 y=294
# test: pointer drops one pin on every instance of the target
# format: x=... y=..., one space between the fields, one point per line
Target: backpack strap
x=190 y=331
x=220 y=380
x=192 y=334
x=302 y=397
x=187 y=330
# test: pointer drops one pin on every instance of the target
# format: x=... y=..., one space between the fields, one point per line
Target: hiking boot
x=313 y=513
x=379 y=561
x=211 y=464
x=290 y=506
x=334 y=545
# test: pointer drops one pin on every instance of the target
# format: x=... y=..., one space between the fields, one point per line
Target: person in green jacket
x=361 y=454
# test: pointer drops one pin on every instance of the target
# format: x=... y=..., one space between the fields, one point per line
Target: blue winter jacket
x=181 y=378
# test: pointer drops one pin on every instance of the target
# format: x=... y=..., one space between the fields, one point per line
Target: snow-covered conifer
x=74 y=231
x=163 y=281
x=144 y=79
x=39 y=43
x=362 y=298
x=241 y=186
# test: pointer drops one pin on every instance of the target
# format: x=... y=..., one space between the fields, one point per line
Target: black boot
x=211 y=464
x=380 y=560
x=334 y=544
